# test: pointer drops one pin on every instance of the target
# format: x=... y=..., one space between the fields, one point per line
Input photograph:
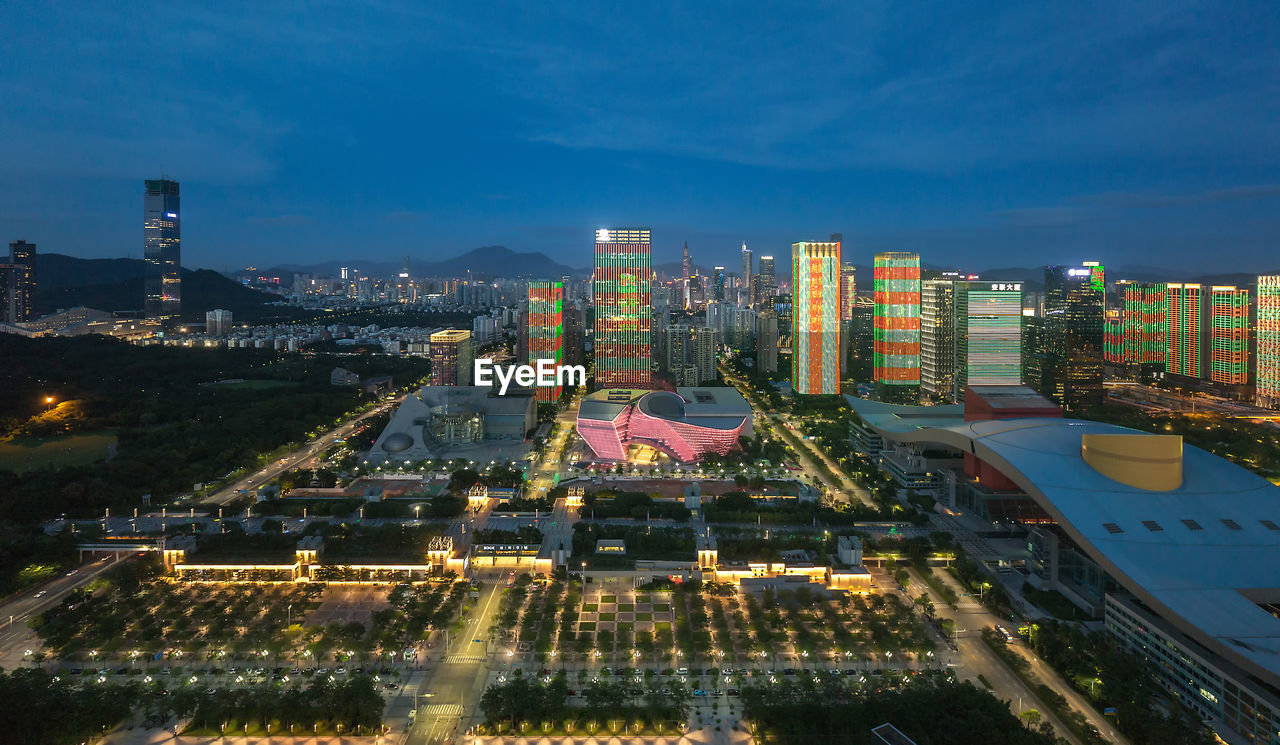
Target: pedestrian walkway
x=442 y=710
x=458 y=659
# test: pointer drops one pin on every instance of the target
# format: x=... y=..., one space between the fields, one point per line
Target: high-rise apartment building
x=1229 y=335
x=1143 y=324
x=18 y=283
x=217 y=322
x=1267 y=393
x=937 y=337
x=896 y=367
x=705 y=341
x=1207 y=330
x=767 y=341
x=1186 y=332
x=1070 y=358
x=678 y=341
x=988 y=334
x=546 y=330
x=621 y=286
x=162 y=250
x=451 y=357
x=815 y=334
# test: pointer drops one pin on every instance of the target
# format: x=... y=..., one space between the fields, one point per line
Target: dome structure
x=397 y=442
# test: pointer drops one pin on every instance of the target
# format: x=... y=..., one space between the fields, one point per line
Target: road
x=806 y=452
x=299 y=457
x=973 y=617
x=16 y=637
x=450 y=698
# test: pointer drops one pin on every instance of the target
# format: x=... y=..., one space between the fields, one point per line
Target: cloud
x=1210 y=196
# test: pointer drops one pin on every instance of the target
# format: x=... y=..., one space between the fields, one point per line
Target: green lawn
x=626 y=607
x=661 y=608
x=30 y=453
x=609 y=599
x=607 y=616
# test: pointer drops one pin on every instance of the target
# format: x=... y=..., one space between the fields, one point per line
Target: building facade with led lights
x=815 y=333
x=684 y=425
x=621 y=286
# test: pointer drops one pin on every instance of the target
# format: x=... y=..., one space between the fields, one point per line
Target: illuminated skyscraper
x=687 y=266
x=717 y=283
x=1143 y=321
x=621 y=286
x=848 y=291
x=1186 y=332
x=451 y=357
x=815 y=335
x=1229 y=335
x=1268 y=389
x=896 y=364
x=18 y=283
x=747 y=270
x=162 y=250
x=1070 y=350
x=546 y=330
x=937 y=337
x=988 y=336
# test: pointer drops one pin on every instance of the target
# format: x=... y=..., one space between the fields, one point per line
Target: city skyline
x=1137 y=135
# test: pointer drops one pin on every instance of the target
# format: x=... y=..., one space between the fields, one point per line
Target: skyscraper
x=848 y=291
x=1070 y=364
x=1229 y=336
x=896 y=368
x=937 y=337
x=451 y=357
x=815 y=334
x=1186 y=331
x=546 y=330
x=767 y=341
x=704 y=353
x=747 y=270
x=18 y=283
x=621 y=285
x=1143 y=324
x=768 y=279
x=162 y=250
x=988 y=335
x=687 y=267
x=677 y=356
x=1268 y=343
x=717 y=283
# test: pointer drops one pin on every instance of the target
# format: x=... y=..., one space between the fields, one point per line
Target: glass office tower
x=1071 y=347
x=162 y=250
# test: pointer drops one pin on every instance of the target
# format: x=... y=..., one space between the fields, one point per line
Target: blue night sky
x=979 y=134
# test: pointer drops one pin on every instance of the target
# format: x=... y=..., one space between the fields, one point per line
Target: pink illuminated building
x=685 y=425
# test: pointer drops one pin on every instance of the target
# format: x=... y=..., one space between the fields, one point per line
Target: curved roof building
x=686 y=424
x=1192 y=536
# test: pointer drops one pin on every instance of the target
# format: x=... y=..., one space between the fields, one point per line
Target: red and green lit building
x=1208 y=333
x=1268 y=349
x=546 y=329
x=896 y=344
x=815 y=317
x=1229 y=336
x=620 y=287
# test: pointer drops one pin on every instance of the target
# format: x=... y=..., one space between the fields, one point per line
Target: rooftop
x=1203 y=553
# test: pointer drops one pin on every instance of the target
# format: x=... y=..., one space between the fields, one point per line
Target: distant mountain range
x=117 y=285
x=486 y=261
